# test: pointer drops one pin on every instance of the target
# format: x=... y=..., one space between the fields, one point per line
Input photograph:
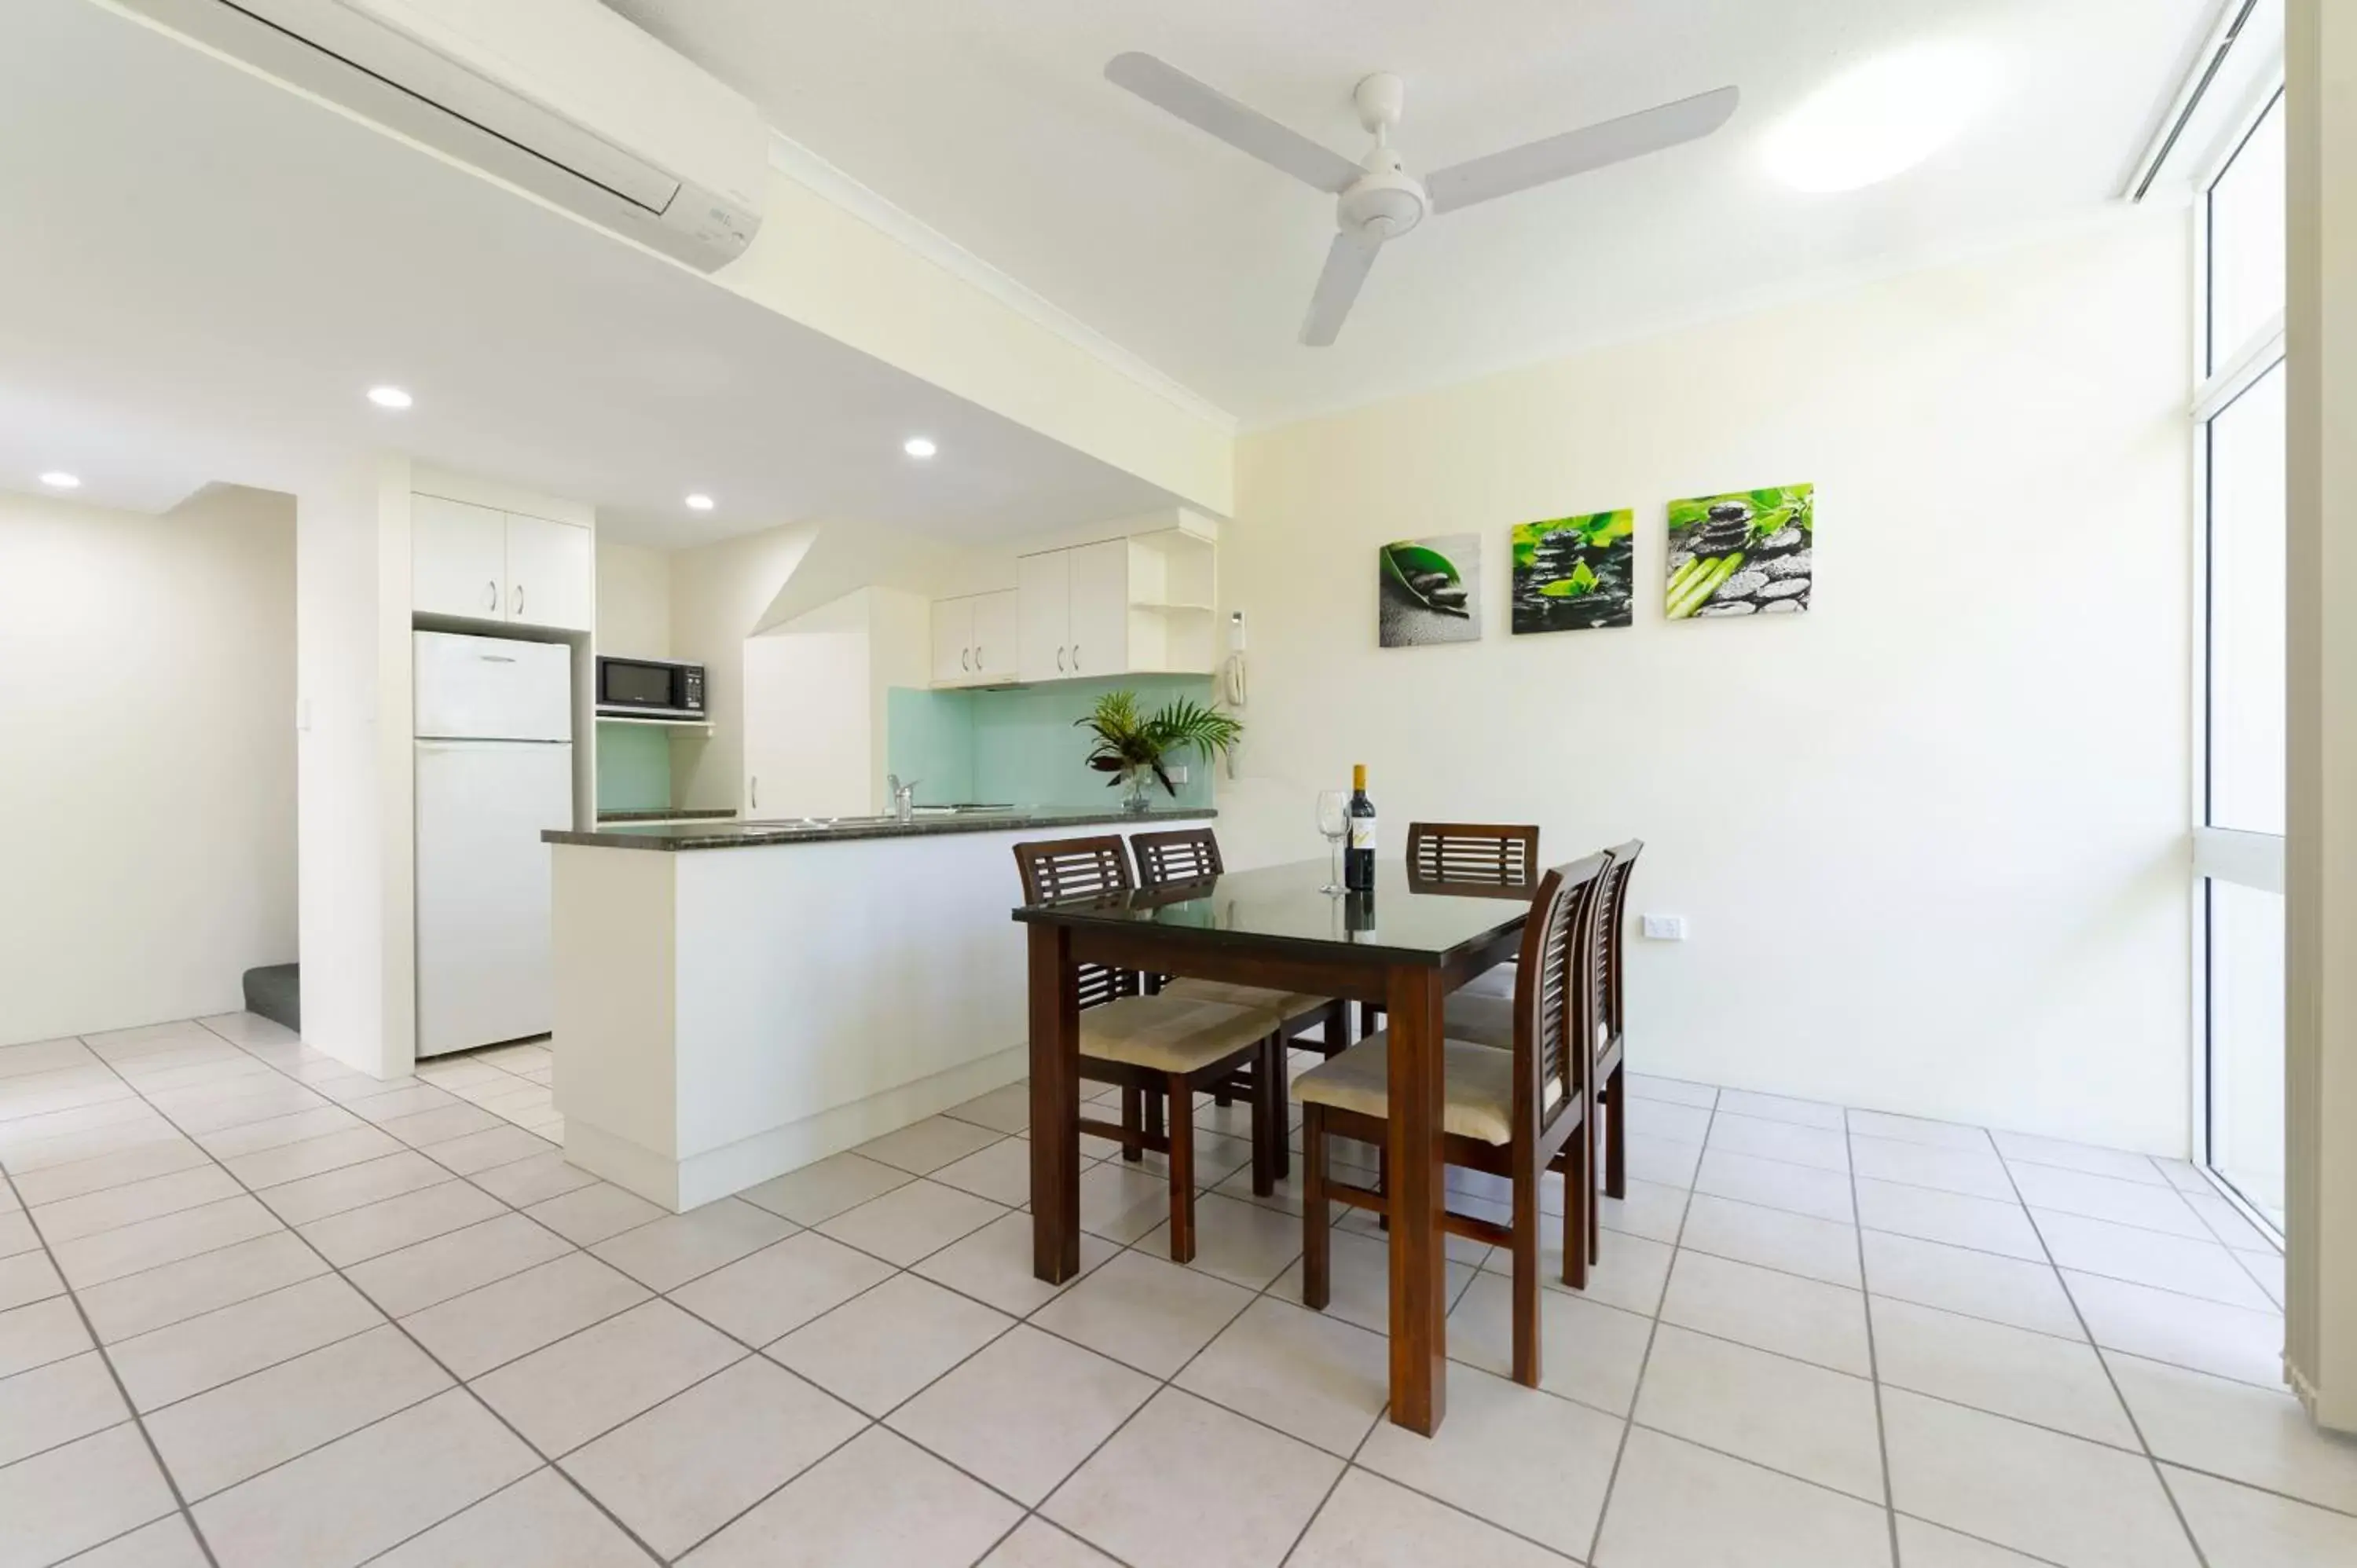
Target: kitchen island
x=738 y=999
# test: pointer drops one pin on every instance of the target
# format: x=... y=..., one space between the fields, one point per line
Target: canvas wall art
x=1746 y=554
x=1431 y=591
x=1575 y=573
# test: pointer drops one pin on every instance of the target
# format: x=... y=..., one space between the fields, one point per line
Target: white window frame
x=2223 y=855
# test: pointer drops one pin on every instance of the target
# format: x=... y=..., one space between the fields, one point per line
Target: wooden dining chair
x=1483 y=854
x=1516 y=1114
x=1489 y=1021
x=1173 y=1046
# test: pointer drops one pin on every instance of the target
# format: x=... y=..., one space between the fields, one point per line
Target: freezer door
x=492 y=688
x=483 y=889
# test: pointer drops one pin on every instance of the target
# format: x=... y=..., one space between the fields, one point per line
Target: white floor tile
x=489 y=1150
x=588 y=1215
x=141 y=1302
x=1036 y=1543
x=40 y=1333
x=2239 y=1527
x=777 y=1289
x=1775 y=1184
x=665 y=1254
x=1001 y=1173
x=1795 y=1244
x=1370 y=1523
x=167 y=1543
x=909 y=1222
x=2260 y=1436
x=130 y=1248
x=565 y=1394
x=1979 y=1284
x=1629 y=1274
x=1663 y=1160
x=57 y=1404
x=1121 y=1202
x=1536 y=1464
x=1827 y=1148
x=1676 y=1092
x=1586 y=1352
x=418 y=1276
x=1754 y=1517
x=1986 y=1225
x=2025 y=1148
x=353 y=1187
x=1780 y=1108
x=879 y=1501
x=242 y=1428
x=1307 y=1374
x=486 y=1327
x=922 y=1147
x=2226 y=1222
x=1007 y=1109
x=2062 y=1498
x=136 y=1163
x=819 y=1191
x=1146 y=1312
x=1241 y=1242
x=1650 y=1209
x=74 y=1496
x=2010 y=1371
x=877 y=1349
x=2204 y=1268
x=2136 y=1203
x=994 y=1266
x=1806 y=1319
x=1668 y=1119
x=1803 y=1420
x=1143 y=1497
x=1922 y=1545
x=541 y=1521
x=1023 y=1412
x=359 y=1234
x=344 y=1503
x=1973 y=1171
x=2183 y=1330
x=95 y=1211
x=533 y=1179
x=1359 y=1281
x=200 y=1353
x=693 y=1462
x=1917 y=1130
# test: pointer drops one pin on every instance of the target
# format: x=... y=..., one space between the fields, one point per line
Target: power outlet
x=1667 y=928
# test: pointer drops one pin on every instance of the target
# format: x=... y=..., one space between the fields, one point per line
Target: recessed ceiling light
x=389 y=397
x=1881 y=118
x=58 y=480
x=699 y=503
x=919 y=447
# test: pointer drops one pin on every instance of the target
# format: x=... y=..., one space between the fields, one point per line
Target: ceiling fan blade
x=1209 y=109
x=1347 y=262
x=1576 y=152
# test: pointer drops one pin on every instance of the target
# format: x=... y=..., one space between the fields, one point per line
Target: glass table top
x=1282 y=905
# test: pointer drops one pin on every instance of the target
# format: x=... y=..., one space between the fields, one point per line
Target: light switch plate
x=1178 y=773
x=1667 y=928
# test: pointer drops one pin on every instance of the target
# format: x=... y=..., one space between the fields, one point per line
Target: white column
x=357 y=943
x=2320 y=850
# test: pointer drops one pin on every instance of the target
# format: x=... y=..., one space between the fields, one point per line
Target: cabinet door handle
x=490 y=593
x=519 y=599
x=963 y=652
x=756 y=792
x=1076 y=659
x=978 y=665
x=1060 y=659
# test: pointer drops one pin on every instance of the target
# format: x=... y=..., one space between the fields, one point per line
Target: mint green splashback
x=633 y=767
x=1020 y=745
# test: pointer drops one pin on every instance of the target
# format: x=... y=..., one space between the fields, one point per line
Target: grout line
x=1874 y=1369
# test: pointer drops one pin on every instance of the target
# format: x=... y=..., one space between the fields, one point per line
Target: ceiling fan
x=1378 y=198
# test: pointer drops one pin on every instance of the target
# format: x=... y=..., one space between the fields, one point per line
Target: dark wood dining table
x=1405 y=946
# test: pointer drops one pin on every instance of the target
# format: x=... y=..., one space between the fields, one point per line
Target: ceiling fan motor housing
x=1384 y=202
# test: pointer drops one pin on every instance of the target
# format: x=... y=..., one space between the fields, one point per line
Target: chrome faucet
x=904 y=795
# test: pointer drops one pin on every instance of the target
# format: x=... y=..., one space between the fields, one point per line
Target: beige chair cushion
x=1482 y=1020
x=1287 y=1005
x=1480 y=1086
x=1170 y=1033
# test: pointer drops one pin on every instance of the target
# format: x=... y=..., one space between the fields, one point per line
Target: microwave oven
x=650 y=688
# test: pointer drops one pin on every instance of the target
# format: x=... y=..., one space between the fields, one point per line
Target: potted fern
x=1136 y=748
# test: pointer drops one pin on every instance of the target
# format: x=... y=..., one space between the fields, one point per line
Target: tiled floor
x=316 y=1320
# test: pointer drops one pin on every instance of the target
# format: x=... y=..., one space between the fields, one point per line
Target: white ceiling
x=993 y=124
x=203 y=272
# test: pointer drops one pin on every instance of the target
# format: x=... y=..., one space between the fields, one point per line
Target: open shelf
x=701 y=726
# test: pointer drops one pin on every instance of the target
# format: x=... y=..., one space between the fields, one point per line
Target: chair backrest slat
x=1096 y=867
x=1556 y=995
x=1181 y=855
x=1611 y=927
x=1500 y=853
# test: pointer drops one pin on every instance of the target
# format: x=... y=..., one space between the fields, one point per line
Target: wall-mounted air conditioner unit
x=561 y=97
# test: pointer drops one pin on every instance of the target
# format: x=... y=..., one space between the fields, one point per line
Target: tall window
x=2238 y=848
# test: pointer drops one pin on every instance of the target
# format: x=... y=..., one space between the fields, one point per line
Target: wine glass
x=1334 y=822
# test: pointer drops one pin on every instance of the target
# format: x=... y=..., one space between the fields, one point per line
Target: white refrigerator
x=494 y=739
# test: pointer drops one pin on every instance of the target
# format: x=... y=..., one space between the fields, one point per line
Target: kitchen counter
x=666 y=814
x=674 y=834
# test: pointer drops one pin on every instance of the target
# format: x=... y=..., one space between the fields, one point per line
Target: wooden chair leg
x=1153 y=1098
x=1616 y=1135
x=1335 y=1037
x=1589 y=1130
x=1527 y=1220
x=1383 y=1183
x=1132 y=1121
x=1577 y=1187
x=1267 y=1126
x=1182 y=1171
x=1316 y=1231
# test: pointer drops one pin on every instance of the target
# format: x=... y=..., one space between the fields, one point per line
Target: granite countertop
x=678 y=835
x=670 y=814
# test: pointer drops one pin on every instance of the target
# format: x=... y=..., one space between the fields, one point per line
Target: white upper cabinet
x=457 y=559
x=1099 y=625
x=1043 y=588
x=481 y=564
x=552 y=573
x=997 y=634
x=952 y=641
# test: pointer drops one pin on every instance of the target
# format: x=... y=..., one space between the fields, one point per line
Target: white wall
x=633 y=600
x=147 y=790
x=718 y=597
x=1931 y=837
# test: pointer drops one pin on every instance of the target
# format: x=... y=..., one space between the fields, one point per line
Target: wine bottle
x=1359 y=857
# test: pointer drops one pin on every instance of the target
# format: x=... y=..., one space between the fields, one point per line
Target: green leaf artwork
x=1575 y=573
x=1749 y=553
x=1430 y=591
